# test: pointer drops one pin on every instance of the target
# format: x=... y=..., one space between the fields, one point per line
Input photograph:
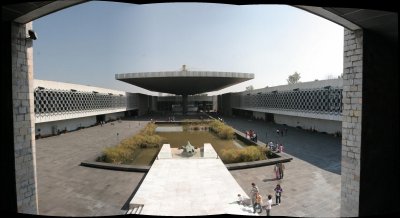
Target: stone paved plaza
x=311 y=183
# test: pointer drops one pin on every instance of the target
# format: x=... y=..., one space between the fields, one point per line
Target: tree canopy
x=294 y=78
x=249 y=88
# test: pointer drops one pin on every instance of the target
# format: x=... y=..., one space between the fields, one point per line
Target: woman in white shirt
x=268 y=205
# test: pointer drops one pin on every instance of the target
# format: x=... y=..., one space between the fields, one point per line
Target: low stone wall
x=120 y=167
x=281 y=158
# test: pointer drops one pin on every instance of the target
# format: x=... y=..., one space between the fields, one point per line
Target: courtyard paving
x=311 y=183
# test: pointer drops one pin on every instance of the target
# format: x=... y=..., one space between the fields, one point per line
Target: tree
x=294 y=78
x=249 y=88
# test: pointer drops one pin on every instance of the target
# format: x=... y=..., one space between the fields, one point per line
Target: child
x=278 y=193
x=240 y=199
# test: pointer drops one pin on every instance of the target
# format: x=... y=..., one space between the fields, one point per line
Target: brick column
x=351 y=122
x=24 y=120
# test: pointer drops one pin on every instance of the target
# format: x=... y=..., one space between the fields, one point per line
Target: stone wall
x=351 y=122
x=23 y=117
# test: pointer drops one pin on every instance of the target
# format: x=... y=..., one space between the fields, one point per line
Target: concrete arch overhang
x=384 y=22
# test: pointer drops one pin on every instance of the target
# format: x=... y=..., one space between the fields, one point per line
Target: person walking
x=281 y=169
x=276 y=170
x=278 y=193
x=254 y=190
x=257 y=203
x=268 y=205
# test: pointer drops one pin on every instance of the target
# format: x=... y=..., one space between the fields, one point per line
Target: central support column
x=184 y=104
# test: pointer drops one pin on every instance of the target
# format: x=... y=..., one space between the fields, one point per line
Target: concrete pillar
x=351 y=122
x=184 y=104
x=24 y=119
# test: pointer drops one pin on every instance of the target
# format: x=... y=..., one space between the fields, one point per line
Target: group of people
x=257 y=199
x=251 y=134
x=278 y=169
x=281 y=132
x=278 y=147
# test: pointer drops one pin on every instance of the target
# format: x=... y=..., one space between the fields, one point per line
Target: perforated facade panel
x=321 y=101
x=51 y=102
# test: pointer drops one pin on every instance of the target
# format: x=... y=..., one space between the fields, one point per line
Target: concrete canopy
x=184 y=82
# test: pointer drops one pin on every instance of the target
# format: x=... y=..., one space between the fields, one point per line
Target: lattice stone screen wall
x=323 y=101
x=50 y=102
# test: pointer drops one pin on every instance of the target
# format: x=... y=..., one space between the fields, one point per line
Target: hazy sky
x=89 y=43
